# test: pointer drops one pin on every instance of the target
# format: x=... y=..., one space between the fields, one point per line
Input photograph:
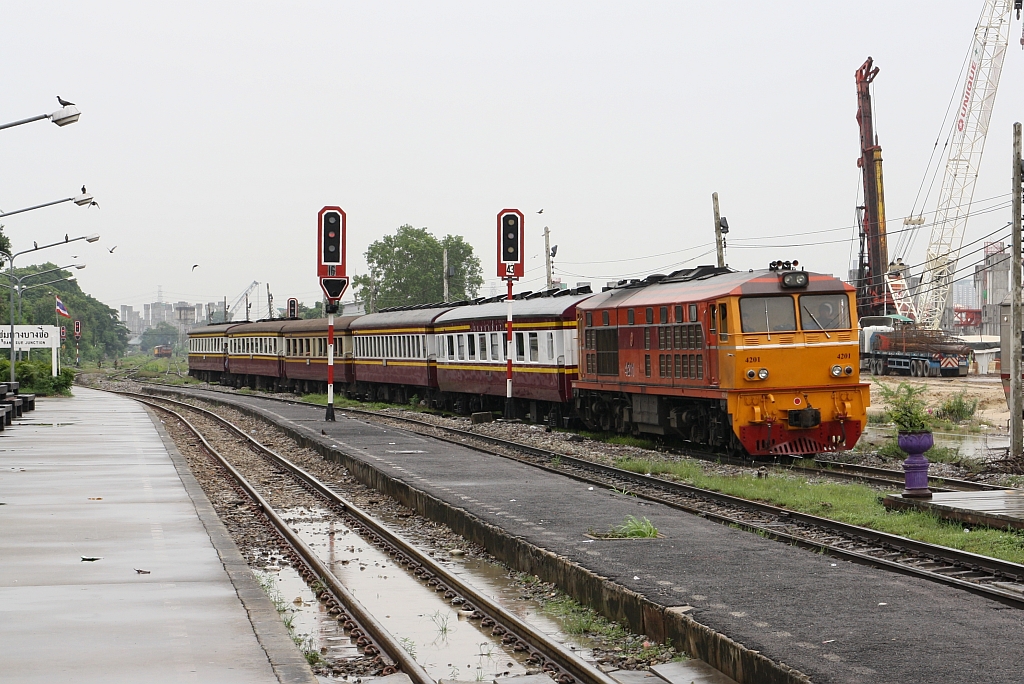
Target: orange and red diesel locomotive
x=759 y=362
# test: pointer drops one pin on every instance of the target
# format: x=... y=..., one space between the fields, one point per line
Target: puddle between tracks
x=448 y=646
x=982 y=446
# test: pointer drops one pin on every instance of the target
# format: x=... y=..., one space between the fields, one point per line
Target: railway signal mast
x=510 y=268
x=330 y=267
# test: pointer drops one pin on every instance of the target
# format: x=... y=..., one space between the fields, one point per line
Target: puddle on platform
x=447 y=646
x=983 y=445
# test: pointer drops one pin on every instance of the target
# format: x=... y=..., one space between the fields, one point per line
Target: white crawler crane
x=967 y=144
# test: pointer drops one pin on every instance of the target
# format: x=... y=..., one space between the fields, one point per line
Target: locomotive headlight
x=837 y=371
x=751 y=374
x=762 y=374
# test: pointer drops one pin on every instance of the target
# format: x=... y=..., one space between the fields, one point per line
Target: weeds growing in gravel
x=856 y=504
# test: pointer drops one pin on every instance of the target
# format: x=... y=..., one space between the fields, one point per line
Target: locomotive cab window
x=590 y=319
x=824 y=312
x=767 y=314
x=604 y=318
x=630 y=317
x=723 y=321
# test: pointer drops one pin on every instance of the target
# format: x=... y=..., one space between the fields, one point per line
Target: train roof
x=301 y=325
x=706 y=282
x=544 y=305
x=413 y=317
x=214 y=329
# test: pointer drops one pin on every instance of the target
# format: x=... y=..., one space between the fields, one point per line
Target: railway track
x=375 y=640
x=999 y=580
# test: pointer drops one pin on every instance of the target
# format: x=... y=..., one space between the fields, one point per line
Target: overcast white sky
x=213 y=132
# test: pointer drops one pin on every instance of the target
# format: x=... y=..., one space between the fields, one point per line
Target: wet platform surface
x=1000 y=509
x=90 y=477
x=833 y=620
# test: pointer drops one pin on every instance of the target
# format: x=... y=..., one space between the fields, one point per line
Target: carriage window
x=472 y=347
x=824 y=312
x=664 y=314
x=534 y=347
x=767 y=314
x=451 y=346
x=551 y=346
x=650 y=315
x=520 y=348
x=629 y=316
x=495 y=347
x=482 y=343
x=679 y=314
x=461 y=342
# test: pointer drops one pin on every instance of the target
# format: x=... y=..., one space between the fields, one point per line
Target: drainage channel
x=451 y=627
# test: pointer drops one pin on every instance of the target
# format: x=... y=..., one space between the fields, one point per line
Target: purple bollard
x=916 y=465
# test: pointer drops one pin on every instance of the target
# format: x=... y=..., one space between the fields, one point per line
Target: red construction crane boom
x=872 y=295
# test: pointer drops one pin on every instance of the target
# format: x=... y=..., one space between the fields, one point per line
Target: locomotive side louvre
x=727 y=360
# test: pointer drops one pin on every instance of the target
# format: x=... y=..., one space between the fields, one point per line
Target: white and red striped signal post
x=330 y=267
x=510 y=267
x=78 y=337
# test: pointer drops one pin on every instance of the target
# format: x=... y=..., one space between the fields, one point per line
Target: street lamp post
x=62 y=117
x=82 y=200
x=21 y=288
x=10 y=271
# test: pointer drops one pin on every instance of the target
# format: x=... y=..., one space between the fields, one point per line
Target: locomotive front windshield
x=824 y=312
x=767 y=314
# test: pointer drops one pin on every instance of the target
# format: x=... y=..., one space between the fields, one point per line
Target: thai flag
x=61 y=309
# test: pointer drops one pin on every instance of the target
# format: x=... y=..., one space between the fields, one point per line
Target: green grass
x=634 y=528
x=342 y=402
x=850 y=503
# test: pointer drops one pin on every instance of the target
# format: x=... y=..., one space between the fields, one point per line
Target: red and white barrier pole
x=330 y=366
x=510 y=408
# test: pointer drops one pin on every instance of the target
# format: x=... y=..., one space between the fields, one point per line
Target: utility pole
x=1016 y=397
x=246 y=307
x=719 y=242
x=444 y=263
x=270 y=303
x=547 y=255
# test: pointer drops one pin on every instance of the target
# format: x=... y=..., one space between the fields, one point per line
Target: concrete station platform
x=832 y=620
x=94 y=476
x=998 y=508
